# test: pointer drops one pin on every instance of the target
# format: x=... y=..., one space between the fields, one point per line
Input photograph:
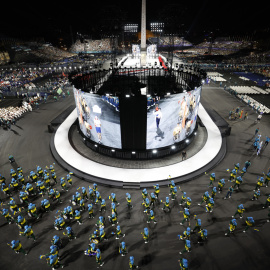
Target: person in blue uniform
x=151 y=216
x=183 y=198
x=119 y=232
x=210 y=205
x=17 y=247
x=113 y=207
x=146 y=204
x=100 y=222
x=267 y=179
x=70 y=233
x=63 y=184
x=167 y=204
x=185 y=234
x=78 y=197
x=205 y=198
x=6 y=190
x=260 y=183
x=249 y=223
x=183 y=263
x=186 y=215
x=113 y=219
x=145 y=235
x=84 y=193
x=240 y=210
x=78 y=217
x=203 y=236
x=69 y=178
x=57 y=241
x=243 y=171
x=30 y=189
x=90 y=210
x=102 y=234
x=41 y=187
x=256 y=195
x=28 y=232
x=39 y=171
x=32 y=210
x=144 y=194
x=123 y=249
x=14 y=207
x=267 y=202
x=132 y=263
x=102 y=205
x=14 y=184
x=46 y=206
x=214 y=192
x=7 y=215
x=54 y=177
x=53 y=261
x=198 y=224
x=98 y=197
x=21 y=222
x=212 y=179
x=238 y=182
x=187 y=247
x=232 y=175
x=128 y=199
x=232 y=226
x=33 y=176
x=91 y=250
x=236 y=167
x=98 y=258
x=172 y=186
x=156 y=190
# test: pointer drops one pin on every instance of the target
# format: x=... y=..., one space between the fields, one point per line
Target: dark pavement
x=29 y=141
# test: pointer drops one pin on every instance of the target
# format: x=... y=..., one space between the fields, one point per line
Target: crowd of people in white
x=10 y=114
x=88 y=45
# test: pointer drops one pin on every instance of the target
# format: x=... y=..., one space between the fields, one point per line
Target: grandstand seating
x=254 y=90
x=254 y=103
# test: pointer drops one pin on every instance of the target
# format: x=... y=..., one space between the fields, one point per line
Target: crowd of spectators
x=15 y=78
x=50 y=53
x=177 y=41
x=87 y=45
x=11 y=114
x=217 y=47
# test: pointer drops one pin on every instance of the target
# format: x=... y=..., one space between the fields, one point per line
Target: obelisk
x=143 y=34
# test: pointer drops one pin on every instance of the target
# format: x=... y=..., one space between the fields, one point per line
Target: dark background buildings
x=193 y=19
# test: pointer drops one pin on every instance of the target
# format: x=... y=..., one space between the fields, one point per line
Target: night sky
x=53 y=18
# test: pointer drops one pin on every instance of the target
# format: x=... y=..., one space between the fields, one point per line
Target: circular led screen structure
x=138 y=113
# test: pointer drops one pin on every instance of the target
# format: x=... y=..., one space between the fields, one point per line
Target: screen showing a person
x=151 y=49
x=170 y=119
x=136 y=49
x=99 y=118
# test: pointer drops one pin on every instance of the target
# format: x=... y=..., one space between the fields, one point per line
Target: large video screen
x=170 y=119
x=99 y=118
x=136 y=49
x=151 y=49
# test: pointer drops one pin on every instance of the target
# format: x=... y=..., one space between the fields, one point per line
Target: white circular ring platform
x=71 y=157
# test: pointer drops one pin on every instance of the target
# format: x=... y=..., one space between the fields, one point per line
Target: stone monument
x=143 y=34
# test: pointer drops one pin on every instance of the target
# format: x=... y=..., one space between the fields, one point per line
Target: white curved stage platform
x=207 y=154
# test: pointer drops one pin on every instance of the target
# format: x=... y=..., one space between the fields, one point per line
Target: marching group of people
x=9 y=115
x=23 y=189
x=236 y=113
x=43 y=181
